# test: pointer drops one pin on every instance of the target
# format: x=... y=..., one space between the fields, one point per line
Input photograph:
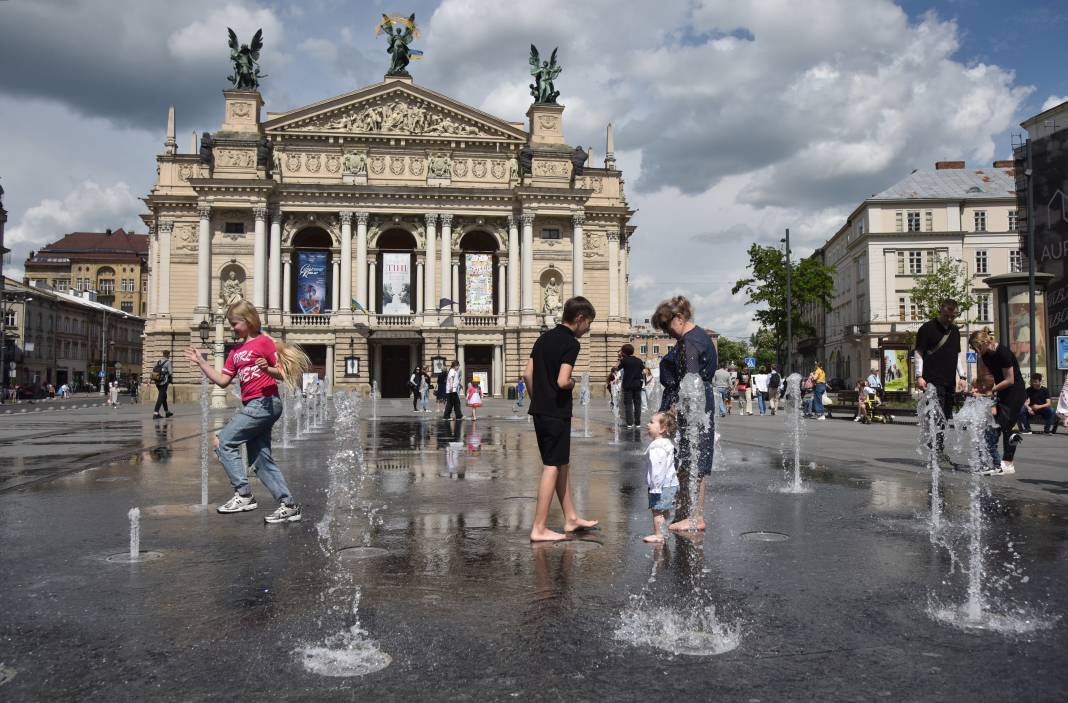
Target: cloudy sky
x=733 y=119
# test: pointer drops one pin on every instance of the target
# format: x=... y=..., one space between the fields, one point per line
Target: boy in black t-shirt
x=1037 y=404
x=549 y=382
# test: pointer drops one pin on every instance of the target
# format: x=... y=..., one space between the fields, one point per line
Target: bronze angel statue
x=544 y=72
x=246 y=72
x=399 y=39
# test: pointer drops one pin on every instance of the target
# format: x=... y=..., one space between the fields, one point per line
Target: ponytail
x=293 y=362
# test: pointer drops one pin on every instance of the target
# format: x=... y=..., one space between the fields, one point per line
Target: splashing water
x=205 y=442
x=615 y=413
x=932 y=421
x=350 y=652
x=584 y=399
x=374 y=400
x=135 y=533
x=795 y=432
x=694 y=420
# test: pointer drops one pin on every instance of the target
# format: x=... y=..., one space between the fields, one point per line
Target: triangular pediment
x=394 y=109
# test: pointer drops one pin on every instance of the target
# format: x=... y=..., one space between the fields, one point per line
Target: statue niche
x=231 y=286
x=552 y=293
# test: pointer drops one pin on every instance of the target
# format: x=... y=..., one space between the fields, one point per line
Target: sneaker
x=285 y=513
x=1025 y=432
x=989 y=472
x=238 y=504
x=155 y=416
x=1007 y=468
x=822 y=417
x=1015 y=438
x=858 y=418
x=169 y=414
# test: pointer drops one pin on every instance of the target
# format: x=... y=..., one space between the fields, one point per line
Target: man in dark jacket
x=938 y=361
x=633 y=378
x=162 y=376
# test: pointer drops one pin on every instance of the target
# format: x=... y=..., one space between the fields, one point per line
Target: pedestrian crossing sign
x=972 y=357
x=750 y=362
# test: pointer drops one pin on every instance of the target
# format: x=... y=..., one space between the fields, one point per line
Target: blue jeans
x=762 y=402
x=1045 y=414
x=721 y=400
x=817 y=399
x=424 y=399
x=252 y=427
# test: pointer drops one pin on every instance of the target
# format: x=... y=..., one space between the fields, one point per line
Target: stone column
x=335 y=291
x=204 y=261
x=430 y=302
x=259 y=255
x=371 y=287
x=274 y=284
x=456 y=284
x=153 y=268
x=361 y=259
x=419 y=293
x=446 y=256
x=513 y=266
x=498 y=372
x=624 y=281
x=577 y=253
x=502 y=273
x=613 y=275
x=287 y=283
x=330 y=368
x=345 y=294
x=164 y=277
x=527 y=275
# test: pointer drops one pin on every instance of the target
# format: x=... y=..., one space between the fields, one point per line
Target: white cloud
x=90 y=207
x=1053 y=101
x=319 y=49
x=205 y=40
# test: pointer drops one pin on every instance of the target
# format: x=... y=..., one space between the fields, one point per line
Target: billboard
x=478 y=282
x=311 y=281
x=396 y=284
x=895 y=369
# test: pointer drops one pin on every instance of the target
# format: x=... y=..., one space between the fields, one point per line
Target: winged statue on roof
x=246 y=57
x=400 y=31
x=544 y=72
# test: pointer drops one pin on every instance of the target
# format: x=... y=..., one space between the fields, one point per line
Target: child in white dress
x=660 y=470
x=474 y=398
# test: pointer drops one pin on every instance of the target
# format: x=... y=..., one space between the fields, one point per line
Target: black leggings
x=1009 y=404
x=161 y=399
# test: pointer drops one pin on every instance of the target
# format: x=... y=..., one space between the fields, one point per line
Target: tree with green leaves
x=810 y=282
x=731 y=351
x=948 y=278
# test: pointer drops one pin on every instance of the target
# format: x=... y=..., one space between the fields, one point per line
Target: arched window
x=396 y=284
x=478 y=274
x=312 y=283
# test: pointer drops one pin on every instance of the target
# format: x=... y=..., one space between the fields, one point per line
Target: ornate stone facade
x=390 y=228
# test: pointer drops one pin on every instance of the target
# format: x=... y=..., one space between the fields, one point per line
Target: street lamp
x=103 y=348
x=204 y=331
x=968 y=319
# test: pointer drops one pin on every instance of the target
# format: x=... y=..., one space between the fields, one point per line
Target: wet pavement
x=824 y=595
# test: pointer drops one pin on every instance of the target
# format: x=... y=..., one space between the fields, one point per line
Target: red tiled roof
x=83 y=242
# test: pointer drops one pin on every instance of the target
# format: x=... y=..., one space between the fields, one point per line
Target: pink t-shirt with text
x=241 y=362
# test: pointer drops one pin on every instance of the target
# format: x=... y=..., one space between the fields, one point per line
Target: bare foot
x=688 y=524
x=653 y=538
x=579 y=524
x=546 y=536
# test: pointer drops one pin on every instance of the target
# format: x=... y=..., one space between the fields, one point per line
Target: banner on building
x=895 y=369
x=478 y=281
x=396 y=284
x=311 y=281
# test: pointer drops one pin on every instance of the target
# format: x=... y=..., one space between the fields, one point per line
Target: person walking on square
x=424 y=389
x=1038 y=404
x=474 y=398
x=413 y=387
x=113 y=390
x=520 y=392
x=439 y=390
x=745 y=392
x=938 y=364
x=550 y=380
x=693 y=354
x=760 y=383
x=453 y=384
x=721 y=383
x=1009 y=392
x=258 y=362
x=633 y=372
x=162 y=375
x=819 y=387
x=660 y=474
x=774 y=386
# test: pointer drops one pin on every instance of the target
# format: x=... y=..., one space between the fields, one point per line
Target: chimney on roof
x=107 y=232
x=948 y=165
x=1005 y=164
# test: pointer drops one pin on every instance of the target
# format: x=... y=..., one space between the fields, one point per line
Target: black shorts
x=554 y=439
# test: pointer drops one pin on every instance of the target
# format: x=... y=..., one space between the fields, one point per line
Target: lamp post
x=103 y=348
x=789 y=307
x=968 y=318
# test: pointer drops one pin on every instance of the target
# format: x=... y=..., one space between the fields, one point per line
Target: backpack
x=159 y=373
x=774 y=379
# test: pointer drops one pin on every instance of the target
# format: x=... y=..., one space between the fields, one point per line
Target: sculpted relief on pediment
x=396 y=116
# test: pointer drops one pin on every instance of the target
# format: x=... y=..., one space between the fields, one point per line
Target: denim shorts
x=664 y=500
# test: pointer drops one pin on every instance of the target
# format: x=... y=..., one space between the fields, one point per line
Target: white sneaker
x=858 y=418
x=284 y=513
x=1007 y=468
x=238 y=504
x=822 y=417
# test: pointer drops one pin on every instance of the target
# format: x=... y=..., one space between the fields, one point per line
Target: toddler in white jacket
x=660 y=470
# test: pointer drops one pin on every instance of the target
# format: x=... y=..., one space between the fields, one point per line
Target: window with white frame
x=10 y=318
x=915 y=263
x=643 y=350
x=656 y=348
x=982 y=307
x=914 y=311
x=980 y=261
x=1015 y=261
x=914 y=220
x=899 y=221
x=1014 y=221
x=980 y=220
x=902 y=308
x=928 y=221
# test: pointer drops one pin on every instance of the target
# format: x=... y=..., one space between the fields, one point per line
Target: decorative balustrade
x=292 y=321
x=394 y=320
x=479 y=320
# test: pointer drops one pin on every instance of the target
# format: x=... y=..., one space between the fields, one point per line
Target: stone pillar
x=204 y=261
x=527 y=274
x=446 y=256
x=361 y=259
x=419 y=293
x=514 y=258
x=463 y=371
x=430 y=302
x=624 y=281
x=613 y=275
x=456 y=284
x=502 y=300
x=330 y=368
x=164 y=277
x=259 y=255
x=287 y=283
x=371 y=287
x=335 y=290
x=577 y=253
x=153 y=268
x=346 y=262
x=498 y=372
x=274 y=284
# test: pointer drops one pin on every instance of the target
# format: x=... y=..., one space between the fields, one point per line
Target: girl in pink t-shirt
x=258 y=363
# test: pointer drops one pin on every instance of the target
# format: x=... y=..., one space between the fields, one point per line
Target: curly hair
x=980 y=339
x=669 y=423
x=667 y=310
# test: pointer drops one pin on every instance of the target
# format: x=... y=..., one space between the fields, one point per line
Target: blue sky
x=733 y=119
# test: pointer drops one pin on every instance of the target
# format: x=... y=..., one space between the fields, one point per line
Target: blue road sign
x=100 y=374
x=750 y=362
x=972 y=357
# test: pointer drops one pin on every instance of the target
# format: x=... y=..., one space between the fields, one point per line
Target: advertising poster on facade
x=895 y=369
x=478 y=280
x=1020 y=329
x=311 y=281
x=396 y=284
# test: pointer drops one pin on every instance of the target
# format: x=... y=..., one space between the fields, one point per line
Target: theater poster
x=311 y=281
x=478 y=282
x=396 y=284
x=895 y=369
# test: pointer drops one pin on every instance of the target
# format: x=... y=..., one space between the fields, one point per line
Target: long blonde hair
x=291 y=358
x=980 y=339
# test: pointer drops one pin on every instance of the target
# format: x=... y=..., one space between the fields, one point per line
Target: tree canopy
x=948 y=278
